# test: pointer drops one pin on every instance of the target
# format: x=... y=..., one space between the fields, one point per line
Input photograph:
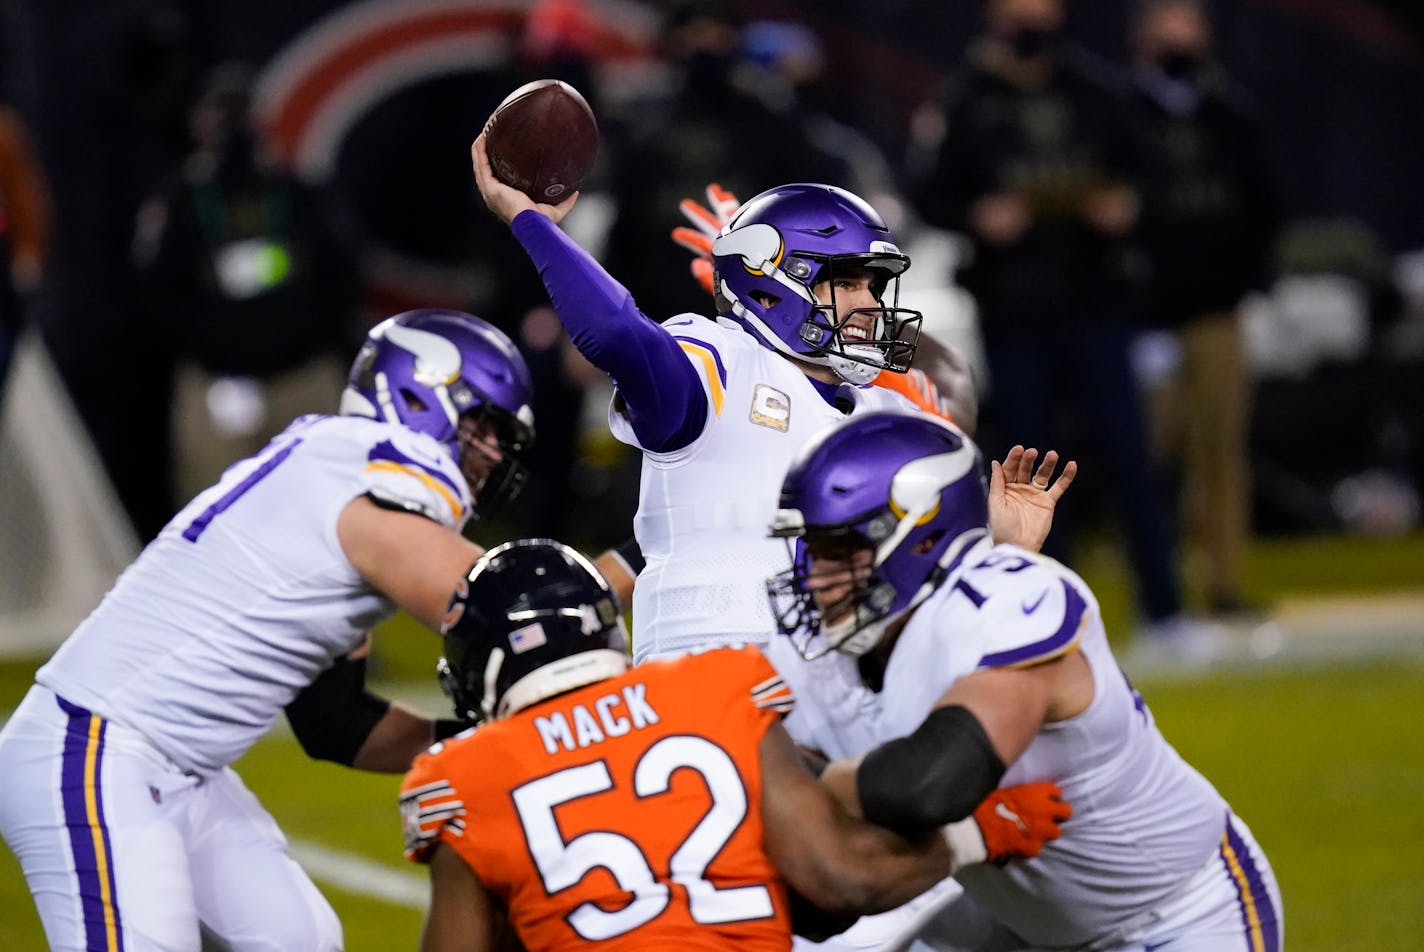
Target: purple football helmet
x=907 y=493
x=452 y=376
x=780 y=245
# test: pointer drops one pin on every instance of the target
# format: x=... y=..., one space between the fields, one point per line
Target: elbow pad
x=936 y=775
x=333 y=716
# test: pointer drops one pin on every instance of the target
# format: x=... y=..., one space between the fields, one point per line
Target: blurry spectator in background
x=574 y=491
x=1208 y=221
x=24 y=230
x=709 y=126
x=247 y=272
x=795 y=81
x=1038 y=168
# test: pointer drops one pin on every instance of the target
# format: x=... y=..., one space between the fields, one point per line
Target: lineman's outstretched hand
x=706 y=220
x=1022 y=501
x=507 y=202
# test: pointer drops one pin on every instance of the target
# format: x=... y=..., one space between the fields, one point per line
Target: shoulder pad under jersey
x=1029 y=608
x=408 y=470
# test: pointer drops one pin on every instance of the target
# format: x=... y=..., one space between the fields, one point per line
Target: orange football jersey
x=626 y=812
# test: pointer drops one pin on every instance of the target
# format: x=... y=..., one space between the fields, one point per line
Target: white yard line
x=356 y=874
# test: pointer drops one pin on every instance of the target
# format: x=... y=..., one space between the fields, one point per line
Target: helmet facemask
x=781 y=246
x=858 y=343
x=493 y=480
x=888 y=502
x=856 y=620
x=452 y=377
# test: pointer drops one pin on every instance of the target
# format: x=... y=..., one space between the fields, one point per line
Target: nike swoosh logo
x=1007 y=814
x=1030 y=609
x=681 y=323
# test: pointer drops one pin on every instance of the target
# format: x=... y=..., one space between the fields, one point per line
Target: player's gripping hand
x=1012 y=823
x=706 y=222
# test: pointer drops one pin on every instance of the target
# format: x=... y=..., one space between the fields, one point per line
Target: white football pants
x=124 y=852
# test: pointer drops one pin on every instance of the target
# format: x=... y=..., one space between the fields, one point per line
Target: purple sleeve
x=661 y=390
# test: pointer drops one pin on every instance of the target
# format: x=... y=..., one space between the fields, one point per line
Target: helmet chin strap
x=856 y=371
x=845 y=638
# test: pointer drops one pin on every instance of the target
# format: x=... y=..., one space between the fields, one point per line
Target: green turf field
x=1325 y=762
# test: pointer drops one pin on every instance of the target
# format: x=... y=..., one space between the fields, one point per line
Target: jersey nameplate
x=597 y=725
x=770 y=408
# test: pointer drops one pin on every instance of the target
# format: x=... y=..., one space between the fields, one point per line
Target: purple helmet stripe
x=385 y=451
x=80 y=789
x=1259 y=916
x=1054 y=644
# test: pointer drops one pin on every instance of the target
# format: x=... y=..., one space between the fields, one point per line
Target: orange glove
x=1011 y=823
x=916 y=385
x=707 y=222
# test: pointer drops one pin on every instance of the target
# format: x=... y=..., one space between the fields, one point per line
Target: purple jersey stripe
x=88 y=837
x=716 y=355
x=196 y=527
x=386 y=451
x=1259 y=915
x=1056 y=643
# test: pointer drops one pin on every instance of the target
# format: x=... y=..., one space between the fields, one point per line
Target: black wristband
x=936 y=775
x=447 y=727
x=333 y=716
x=631 y=555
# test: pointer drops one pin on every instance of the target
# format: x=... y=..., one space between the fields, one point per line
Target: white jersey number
x=562 y=864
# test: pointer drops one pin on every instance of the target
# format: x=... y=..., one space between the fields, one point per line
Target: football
x=543 y=140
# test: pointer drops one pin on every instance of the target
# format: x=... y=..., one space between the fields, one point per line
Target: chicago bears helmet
x=534 y=618
x=907 y=493
x=781 y=244
x=430 y=370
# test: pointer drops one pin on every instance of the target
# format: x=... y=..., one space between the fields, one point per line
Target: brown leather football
x=543 y=140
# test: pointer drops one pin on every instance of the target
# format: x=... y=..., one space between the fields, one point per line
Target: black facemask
x=1028 y=42
x=1181 y=65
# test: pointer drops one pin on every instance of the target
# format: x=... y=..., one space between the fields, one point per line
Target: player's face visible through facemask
x=480 y=450
x=853 y=295
x=837 y=577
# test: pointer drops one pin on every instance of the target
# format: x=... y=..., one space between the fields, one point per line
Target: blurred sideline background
x=203 y=284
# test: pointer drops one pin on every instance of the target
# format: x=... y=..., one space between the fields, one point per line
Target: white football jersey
x=704 y=511
x=246 y=595
x=1144 y=821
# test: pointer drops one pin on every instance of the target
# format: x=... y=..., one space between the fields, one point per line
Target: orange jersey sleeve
x=627 y=812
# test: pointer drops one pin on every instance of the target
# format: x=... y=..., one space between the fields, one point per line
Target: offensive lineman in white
x=992 y=666
x=118 y=799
